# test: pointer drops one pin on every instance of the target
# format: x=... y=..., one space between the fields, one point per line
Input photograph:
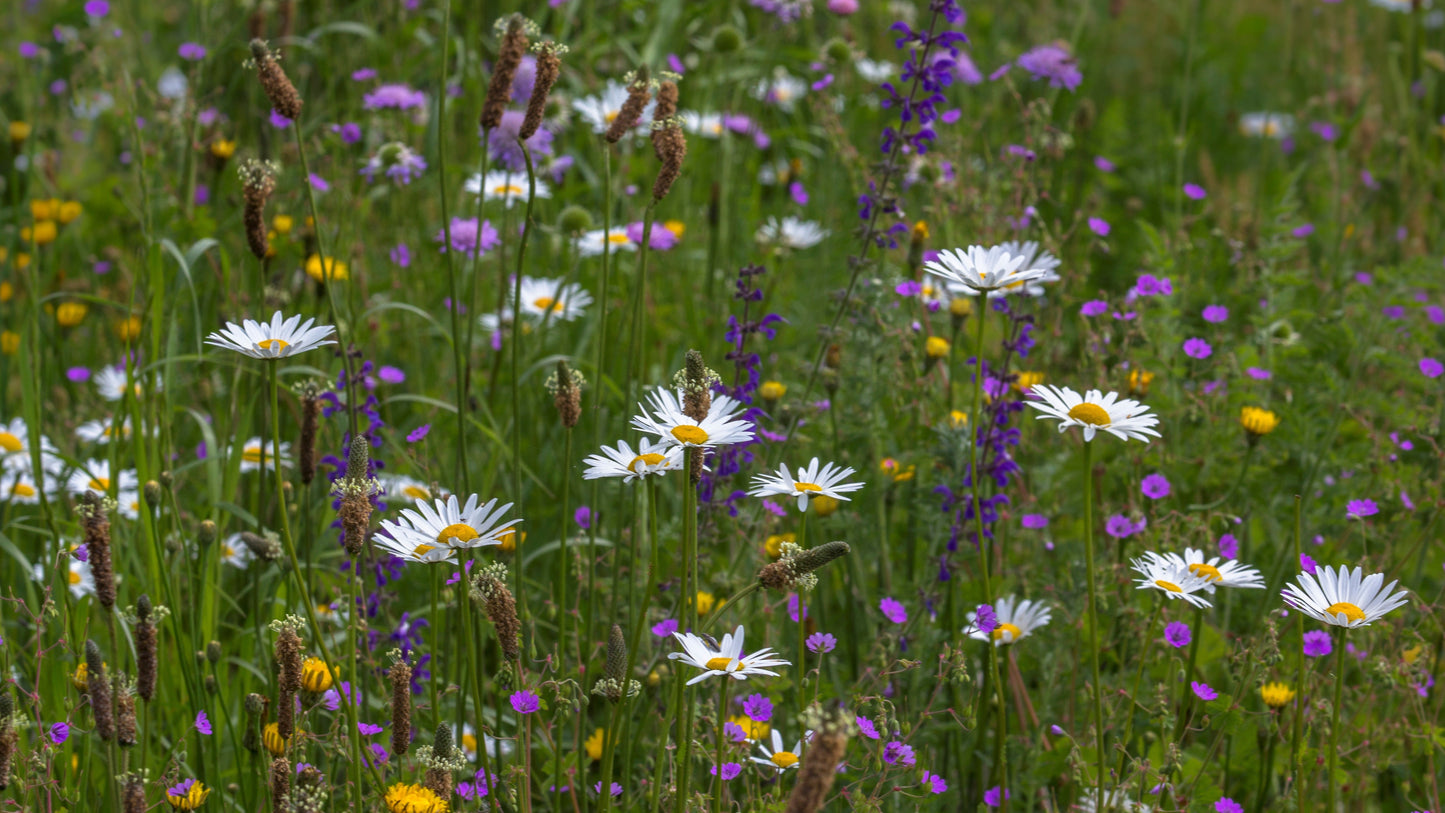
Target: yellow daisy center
x=1170 y=586
x=74 y=577
x=99 y=484
x=253 y=454
x=273 y=344
x=1206 y=572
x=784 y=759
x=9 y=442
x=687 y=433
x=722 y=664
x=650 y=459
x=469 y=742
x=460 y=531
x=227 y=551
x=617 y=238
x=1090 y=414
x=1014 y=632
x=807 y=487
x=548 y=303
x=421 y=550
x=610 y=115
x=1346 y=609
x=22 y=490
x=416 y=492
x=507 y=189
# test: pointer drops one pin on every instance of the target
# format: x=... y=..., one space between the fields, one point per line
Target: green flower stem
x=1139 y=676
x=527 y=224
x=459 y=350
x=1297 y=734
x=1334 y=755
x=722 y=715
x=689 y=602
x=1185 y=696
x=1098 y=700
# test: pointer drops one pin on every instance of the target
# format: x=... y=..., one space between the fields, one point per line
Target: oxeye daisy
x=811 y=481
x=15 y=439
x=407 y=488
x=777 y=757
x=1215 y=573
x=1267 y=125
x=791 y=232
x=450 y=524
x=665 y=420
x=1171 y=577
x=95 y=475
x=1016 y=621
x=977 y=269
x=650 y=458
x=79 y=577
x=1094 y=411
x=592 y=243
x=256 y=453
x=1035 y=259
x=100 y=430
x=411 y=547
x=279 y=338
x=113 y=382
x=707 y=125
x=563 y=300
x=19 y=484
x=1343 y=598
x=726 y=658
x=234 y=552
x=508 y=187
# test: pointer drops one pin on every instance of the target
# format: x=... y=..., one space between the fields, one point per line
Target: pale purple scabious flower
x=279 y=121
x=1194 y=191
x=664 y=629
x=418 y=433
x=1228 y=546
x=1094 y=307
x=396 y=161
x=1228 y=805
x=1431 y=368
x=391 y=375
x=1099 y=226
x=203 y=723
x=208 y=116
x=468 y=236
x=78 y=374
x=1035 y=521
x=1317 y=644
x=502 y=142
x=1304 y=231
x=934 y=783
x=401 y=255
x=986 y=619
x=192 y=51
x=1215 y=313
x=1359 y=509
x=659 y=239
x=1258 y=373
x=1202 y=690
x=866 y=727
x=893 y=610
x=363 y=74
x=1155 y=486
x=1053 y=63
x=393 y=96
x=524 y=79
x=1177 y=634
x=821 y=643
x=965 y=71
x=1103 y=164
x=1393 y=312
x=350 y=132
x=318 y=183
x=758 y=708
x=99 y=8
x=59 y=733
x=525 y=702
x=994 y=796
x=1197 y=348
x=897 y=752
x=1121 y=527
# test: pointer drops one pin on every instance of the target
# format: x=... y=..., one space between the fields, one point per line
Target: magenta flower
x=994 y=796
x=1228 y=546
x=525 y=702
x=1103 y=164
x=394 y=96
x=793 y=607
x=401 y=255
x=1258 y=373
x=1177 y=634
x=97 y=8
x=893 y=610
x=1304 y=231
x=1155 y=486
x=279 y=121
x=391 y=375
x=1194 y=191
x=191 y=51
x=821 y=643
x=468 y=236
x=665 y=629
x=1099 y=226
x=583 y=517
x=1307 y=564
x=1121 y=527
x=934 y=783
x=1317 y=644
x=418 y=433
x=1034 y=521
x=1094 y=307
x=1202 y=690
x=59 y=733
x=1053 y=63
x=1359 y=509
x=1431 y=368
x=730 y=771
x=1435 y=314
x=1215 y=313
x=1228 y=805
x=203 y=724
x=617 y=787
x=1197 y=348
x=986 y=619
x=734 y=732
x=78 y=374
x=758 y=708
x=866 y=727
x=1150 y=285
x=368 y=729
x=897 y=752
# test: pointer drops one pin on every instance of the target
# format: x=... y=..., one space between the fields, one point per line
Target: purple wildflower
x=1155 y=486
x=986 y=619
x=525 y=702
x=1215 y=314
x=1317 y=644
x=393 y=96
x=1194 y=191
x=1177 y=634
x=994 y=796
x=1359 y=509
x=758 y=708
x=191 y=51
x=1099 y=226
x=821 y=643
x=1202 y=690
x=468 y=236
x=664 y=629
x=1094 y=307
x=1228 y=546
x=1228 y=805
x=1053 y=63
x=59 y=733
x=1035 y=521
x=1431 y=368
x=893 y=610
x=418 y=433
x=897 y=752
x=203 y=724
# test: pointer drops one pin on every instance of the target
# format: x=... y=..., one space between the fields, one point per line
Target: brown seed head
x=549 y=67
x=400 y=677
x=671 y=147
x=280 y=782
x=97 y=543
x=639 y=93
x=284 y=98
x=135 y=795
x=98 y=690
x=125 y=724
x=509 y=56
x=820 y=766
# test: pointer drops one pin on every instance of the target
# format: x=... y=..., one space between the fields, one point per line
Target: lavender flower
x=1317 y=644
x=1054 y=63
x=394 y=96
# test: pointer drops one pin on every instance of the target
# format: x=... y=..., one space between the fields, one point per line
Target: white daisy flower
x=434 y=530
x=720 y=428
x=399 y=486
x=112 y=383
x=1094 y=411
x=99 y=431
x=726 y=659
x=272 y=340
x=782 y=89
x=1267 y=125
x=776 y=757
x=1035 y=259
x=875 y=71
x=707 y=125
x=650 y=458
x=1346 y=598
x=564 y=300
x=599 y=110
x=790 y=232
x=508 y=187
x=256 y=453
x=79 y=577
x=591 y=243
x=15 y=440
x=234 y=552
x=1215 y=573
x=1016 y=621
x=18 y=483
x=468 y=742
x=1170 y=577
x=981 y=270
x=811 y=481
x=95 y=475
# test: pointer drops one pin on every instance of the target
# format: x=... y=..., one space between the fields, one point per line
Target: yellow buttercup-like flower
x=335 y=269
x=1027 y=380
x=70 y=314
x=593 y=745
x=9 y=342
x=405 y=798
x=752 y=729
x=44 y=208
x=128 y=329
x=316 y=676
x=68 y=211
x=1276 y=695
x=772 y=390
x=823 y=505
x=188 y=795
x=960 y=307
x=1257 y=422
x=958 y=419
x=7 y=291
x=283 y=223
x=705 y=602
x=271 y=738
x=773 y=545
x=677 y=227
x=936 y=347
x=1139 y=380
x=222 y=148
x=19 y=131
x=509 y=541
x=43 y=233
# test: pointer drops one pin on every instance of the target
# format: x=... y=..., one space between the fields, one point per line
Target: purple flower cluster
x=931 y=75
x=1054 y=63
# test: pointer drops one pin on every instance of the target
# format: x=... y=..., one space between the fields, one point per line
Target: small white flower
x=15 y=440
x=112 y=382
x=94 y=475
x=725 y=659
x=436 y=529
x=1035 y=259
x=272 y=340
x=564 y=300
x=1267 y=125
x=1215 y=573
x=79 y=577
x=255 y=454
x=810 y=481
x=721 y=427
x=172 y=84
x=99 y=431
x=790 y=232
x=875 y=71
x=707 y=125
x=19 y=484
x=1016 y=621
x=1094 y=411
x=508 y=187
x=650 y=458
x=398 y=486
x=981 y=270
x=1170 y=577
x=591 y=243
x=782 y=89
x=777 y=757
x=234 y=552
x=1346 y=598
